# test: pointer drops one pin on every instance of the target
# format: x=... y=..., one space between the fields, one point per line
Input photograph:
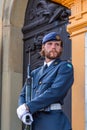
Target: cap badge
x=57 y=37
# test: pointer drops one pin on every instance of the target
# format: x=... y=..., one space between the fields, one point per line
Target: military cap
x=53 y=36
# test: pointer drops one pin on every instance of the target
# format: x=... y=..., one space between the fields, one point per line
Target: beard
x=52 y=54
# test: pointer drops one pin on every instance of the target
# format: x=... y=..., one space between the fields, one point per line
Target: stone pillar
x=0 y=66
x=78 y=30
x=11 y=76
x=12 y=66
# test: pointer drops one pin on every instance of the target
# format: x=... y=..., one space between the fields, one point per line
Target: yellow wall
x=78 y=89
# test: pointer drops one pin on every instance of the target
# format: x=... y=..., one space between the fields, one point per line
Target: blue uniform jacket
x=49 y=87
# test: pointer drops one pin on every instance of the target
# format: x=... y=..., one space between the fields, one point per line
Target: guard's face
x=52 y=49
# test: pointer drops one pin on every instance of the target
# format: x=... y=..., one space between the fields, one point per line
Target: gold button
x=40 y=82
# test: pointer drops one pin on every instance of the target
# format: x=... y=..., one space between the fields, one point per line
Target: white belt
x=55 y=106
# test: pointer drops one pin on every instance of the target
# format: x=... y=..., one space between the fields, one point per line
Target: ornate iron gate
x=44 y=16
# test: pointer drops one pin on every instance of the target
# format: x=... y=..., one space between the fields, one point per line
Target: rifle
x=28 y=88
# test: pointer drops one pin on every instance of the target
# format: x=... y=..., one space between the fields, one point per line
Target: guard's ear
x=43 y=47
x=42 y=51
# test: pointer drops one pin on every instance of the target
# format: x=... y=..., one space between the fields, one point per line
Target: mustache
x=52 y=51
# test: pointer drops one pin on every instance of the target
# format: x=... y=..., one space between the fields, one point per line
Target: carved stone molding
x=45 y=11
x=66 y=3
x=78 y=19
x=43 y=16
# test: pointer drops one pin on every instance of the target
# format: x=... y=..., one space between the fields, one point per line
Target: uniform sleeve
x=21 y=99
x=57 y=91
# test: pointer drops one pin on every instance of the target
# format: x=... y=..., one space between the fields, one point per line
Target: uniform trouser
x=52 y=120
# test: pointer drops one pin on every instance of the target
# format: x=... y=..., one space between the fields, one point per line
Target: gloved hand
x=21 y=110
x=27 y=119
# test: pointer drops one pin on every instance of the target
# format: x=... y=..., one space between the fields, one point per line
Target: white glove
x=27 y=119
x=21 y=110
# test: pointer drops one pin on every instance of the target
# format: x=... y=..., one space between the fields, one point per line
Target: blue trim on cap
x=50 y=37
